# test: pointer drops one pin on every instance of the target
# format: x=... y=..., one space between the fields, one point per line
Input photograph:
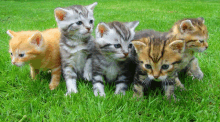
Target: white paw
x=87 y=76
x=96 y=93
x=71 y=91
x=199 y=75
x=120 y=92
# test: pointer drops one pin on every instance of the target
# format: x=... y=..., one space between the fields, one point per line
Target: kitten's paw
x=181 y=86
x=120 y=92
x=72 y=90
x=96 y=93
x=68 y=93
x=199 y=75
x=87 y=76
x=52 y=86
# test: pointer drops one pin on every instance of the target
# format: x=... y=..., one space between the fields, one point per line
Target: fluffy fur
x=194 y=33
x=110 y=60
x=39 y=49
x=76 y=24
x=158 y=60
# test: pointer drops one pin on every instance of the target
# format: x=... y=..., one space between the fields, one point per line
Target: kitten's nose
x=206 y=47
x=88 y=29
x=13 y=62
x=126 y=54
x=156 y=76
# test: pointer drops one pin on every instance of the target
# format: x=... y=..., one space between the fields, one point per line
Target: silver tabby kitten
x=76 y=24
x=110 y=60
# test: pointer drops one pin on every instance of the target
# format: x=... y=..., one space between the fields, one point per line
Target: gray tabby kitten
x=110 y=60
x=76 y=24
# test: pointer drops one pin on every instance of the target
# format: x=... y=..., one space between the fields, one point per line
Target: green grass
x=27 y=100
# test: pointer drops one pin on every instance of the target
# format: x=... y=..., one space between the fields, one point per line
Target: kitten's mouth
x=87 y=33
x=123 y=58
x=157 y=80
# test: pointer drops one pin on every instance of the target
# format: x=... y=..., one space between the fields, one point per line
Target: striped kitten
x=158 y=61
x=195 y=34
x=110 y=60
x=76 y=24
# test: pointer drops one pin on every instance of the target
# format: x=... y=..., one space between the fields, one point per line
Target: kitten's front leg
x=121 y=85
x=88 y=70
x=195 y=69
x=34 y=72
x=98 y=86
x=70 y=77
x=178 y=83
x=138 y=90
x=55 y=78
x=139 y=80
x=168 y=87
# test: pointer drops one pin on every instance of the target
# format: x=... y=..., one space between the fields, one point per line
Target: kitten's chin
x=19 y=64
x=122 y=59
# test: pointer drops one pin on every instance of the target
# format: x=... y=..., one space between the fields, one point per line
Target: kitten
x=110 y=56
x=39 y=49
x=76 y=24
x=194 y=33
x=158 y=61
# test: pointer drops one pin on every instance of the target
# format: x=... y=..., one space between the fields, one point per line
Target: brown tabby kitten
x=195 y=34
x=39 y=49
x=158 y=61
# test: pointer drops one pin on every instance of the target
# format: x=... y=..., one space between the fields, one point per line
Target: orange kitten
x=39 y=49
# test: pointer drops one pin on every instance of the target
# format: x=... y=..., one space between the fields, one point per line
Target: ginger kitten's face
x=24 y=46
x=76 y=20
x=194 y=32
x=158 y=60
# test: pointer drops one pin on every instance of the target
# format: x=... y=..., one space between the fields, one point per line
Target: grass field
x=22 y=99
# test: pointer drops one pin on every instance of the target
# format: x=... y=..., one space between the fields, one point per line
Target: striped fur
x=158 y=60
x=194 y=33
x=76 y=24
x=110 y=60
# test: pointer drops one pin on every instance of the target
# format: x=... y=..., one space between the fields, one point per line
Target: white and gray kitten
x=110 y=57
x=76 y=24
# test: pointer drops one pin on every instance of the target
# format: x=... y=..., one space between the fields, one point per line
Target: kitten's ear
x=37 y=39
x=139 y=46
x=91 y=6
x=11 y=33
x=177 y=46
x=186 y=25
x=60 y=13
x=201 y=19
x=132 y=25
x=102 y=28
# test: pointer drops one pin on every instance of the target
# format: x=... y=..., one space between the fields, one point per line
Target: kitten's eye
x=130 y=46
x=117 y=45
x=79 y=23
x=148 y=66
x=21 y=55
x=165 y=66
x=201 y=41
x=11 y=54
x=91 y=21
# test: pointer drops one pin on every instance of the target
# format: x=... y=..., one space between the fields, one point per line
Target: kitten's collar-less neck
x=73 y=42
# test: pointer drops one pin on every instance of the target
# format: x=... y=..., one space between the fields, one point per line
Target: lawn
x=22 y=99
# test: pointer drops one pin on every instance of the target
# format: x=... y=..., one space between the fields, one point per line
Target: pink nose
x=88 y=29
x=126 y=54
x=157 y=76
